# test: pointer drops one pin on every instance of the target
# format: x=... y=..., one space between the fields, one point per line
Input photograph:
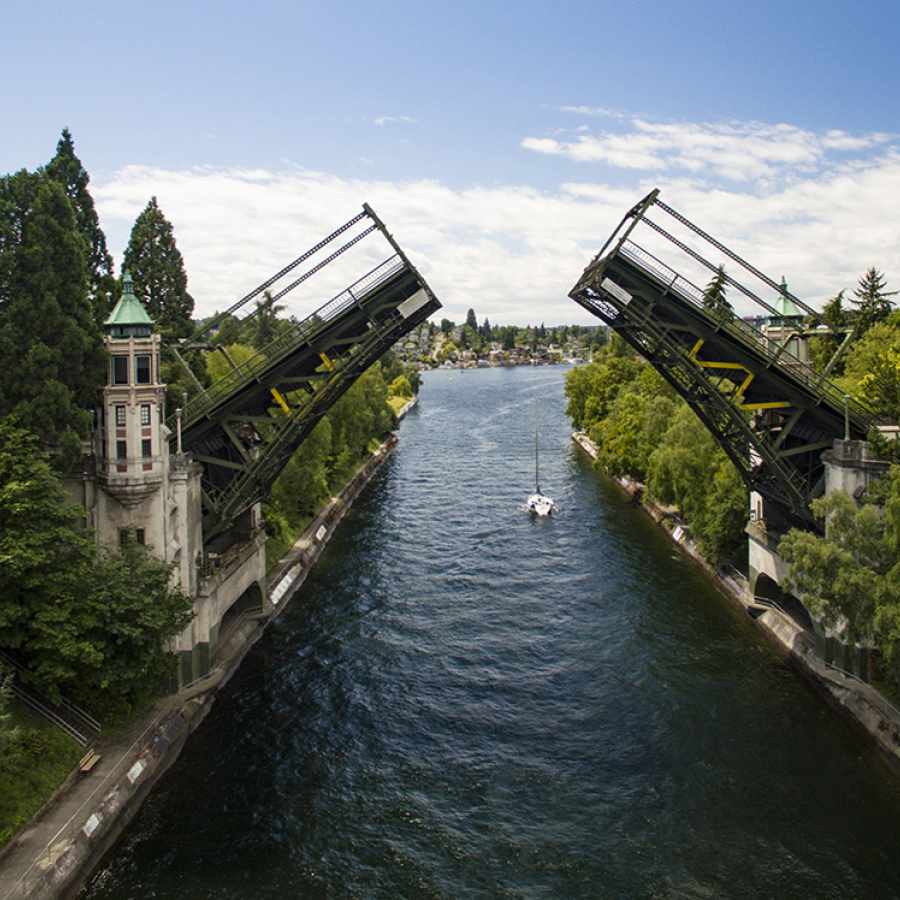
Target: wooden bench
x=88 y=761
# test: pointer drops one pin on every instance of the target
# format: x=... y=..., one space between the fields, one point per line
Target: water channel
x=462 y=702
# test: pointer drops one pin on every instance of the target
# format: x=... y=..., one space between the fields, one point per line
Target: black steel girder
x=771 y=413
x=245 y=427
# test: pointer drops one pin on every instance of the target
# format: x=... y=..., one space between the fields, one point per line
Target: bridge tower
x=138 y=490
x=189 y=483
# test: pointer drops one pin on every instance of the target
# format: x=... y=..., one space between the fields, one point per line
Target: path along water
x=463 y=702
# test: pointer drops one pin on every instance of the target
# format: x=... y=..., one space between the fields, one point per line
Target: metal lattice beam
x=771 y=413
x=245 y=427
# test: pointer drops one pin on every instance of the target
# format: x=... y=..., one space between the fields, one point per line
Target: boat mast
x=537 y=478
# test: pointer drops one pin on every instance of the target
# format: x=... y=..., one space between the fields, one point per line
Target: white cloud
x=603 y=111
x=511 y=251
x=381 y=121
x=736 y=151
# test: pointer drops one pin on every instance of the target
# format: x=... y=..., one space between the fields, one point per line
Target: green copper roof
x=129 y=310
x=785 y=306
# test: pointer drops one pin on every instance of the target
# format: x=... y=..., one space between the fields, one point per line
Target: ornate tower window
x=120 y=370
x=142 y=369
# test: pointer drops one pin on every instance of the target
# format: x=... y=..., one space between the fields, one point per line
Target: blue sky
x=464 y=120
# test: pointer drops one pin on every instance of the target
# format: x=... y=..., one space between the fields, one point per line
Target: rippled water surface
x=463 y=702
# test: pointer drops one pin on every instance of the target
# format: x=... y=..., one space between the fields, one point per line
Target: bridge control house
x=136 y=489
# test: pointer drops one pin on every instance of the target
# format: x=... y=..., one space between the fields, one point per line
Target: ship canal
x=465 y=703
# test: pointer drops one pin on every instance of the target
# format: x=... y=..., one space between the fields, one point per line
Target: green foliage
x=872 y=301
x=217 y=362
x=392 y=368
x=873 y=368
x=823 y=347
x=328 y=457
x=46 y=321
x=265 y=325
x=643 y=430
x=471 y=320
x=66 y=168
x=689 y=469
x=303 y=487
x=635 y=424
x=400 y=387
x=9 y=732
x=850 y=579
x=157 y=267
x=714 y=295
x=84 y=620
x=34 y=763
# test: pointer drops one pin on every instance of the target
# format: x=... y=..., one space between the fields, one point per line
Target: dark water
x=466 y=703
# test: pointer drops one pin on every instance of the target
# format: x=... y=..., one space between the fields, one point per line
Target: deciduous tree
x=82 y=620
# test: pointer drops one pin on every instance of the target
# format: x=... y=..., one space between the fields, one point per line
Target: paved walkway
x=46 y=837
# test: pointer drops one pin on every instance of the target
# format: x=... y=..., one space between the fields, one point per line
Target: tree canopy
x=644 y=431
x=872 y=368
x=66 y=168
x=46 y=320
x=85 y=621
x=714 y=298
x=157 y=268
x=872 y=300
x=850 y=578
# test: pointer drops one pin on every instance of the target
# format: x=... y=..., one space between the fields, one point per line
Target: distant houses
x=460 y=348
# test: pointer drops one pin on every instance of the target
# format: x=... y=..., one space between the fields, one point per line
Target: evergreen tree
x=714 y=294
x=46 y=322
x=471 y=321
x=447 y=325
x=66 y=168
x=486 y=329
x=157 y=267
x=823 y=347
x=872 y=300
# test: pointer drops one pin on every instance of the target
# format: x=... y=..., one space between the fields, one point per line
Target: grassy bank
x=34 y=766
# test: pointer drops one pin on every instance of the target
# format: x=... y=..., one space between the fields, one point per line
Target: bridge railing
x=302 y=332
x=692 y=294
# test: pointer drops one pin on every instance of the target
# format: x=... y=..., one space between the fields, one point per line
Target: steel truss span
x=245 y=427
x=772 y=413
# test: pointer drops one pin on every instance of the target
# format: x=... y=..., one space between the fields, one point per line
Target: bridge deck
x=245 y=427
x=772 y=413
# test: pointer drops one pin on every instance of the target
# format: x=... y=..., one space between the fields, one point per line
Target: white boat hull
x=539 y=505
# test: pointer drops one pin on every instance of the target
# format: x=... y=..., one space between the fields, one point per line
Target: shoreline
x=858 y=701
x=55 y=854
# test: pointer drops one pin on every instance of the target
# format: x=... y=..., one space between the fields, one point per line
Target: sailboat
x=538 y=504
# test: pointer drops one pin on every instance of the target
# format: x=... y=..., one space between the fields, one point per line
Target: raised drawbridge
x=245 y=427
x=771 y=412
